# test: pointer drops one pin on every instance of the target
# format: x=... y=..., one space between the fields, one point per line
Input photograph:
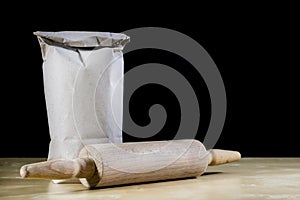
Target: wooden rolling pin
x=116 y=164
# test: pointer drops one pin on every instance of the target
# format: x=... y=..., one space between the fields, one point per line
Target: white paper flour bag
x=83 y=88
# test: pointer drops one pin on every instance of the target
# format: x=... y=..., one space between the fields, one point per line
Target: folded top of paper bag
x=85 y=39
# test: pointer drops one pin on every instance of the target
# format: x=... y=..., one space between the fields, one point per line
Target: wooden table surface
x=250 y=178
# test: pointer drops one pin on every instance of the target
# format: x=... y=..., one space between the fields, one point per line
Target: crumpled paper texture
x=83 y=87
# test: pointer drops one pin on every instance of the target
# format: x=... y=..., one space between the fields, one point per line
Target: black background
x=254 y=53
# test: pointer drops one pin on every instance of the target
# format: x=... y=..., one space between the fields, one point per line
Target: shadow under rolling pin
x=111 y=164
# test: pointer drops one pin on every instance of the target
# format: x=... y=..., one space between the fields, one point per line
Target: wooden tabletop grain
x=250 y=178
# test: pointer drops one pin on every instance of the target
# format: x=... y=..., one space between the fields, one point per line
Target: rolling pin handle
x=59 y=169
x=219 y=157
